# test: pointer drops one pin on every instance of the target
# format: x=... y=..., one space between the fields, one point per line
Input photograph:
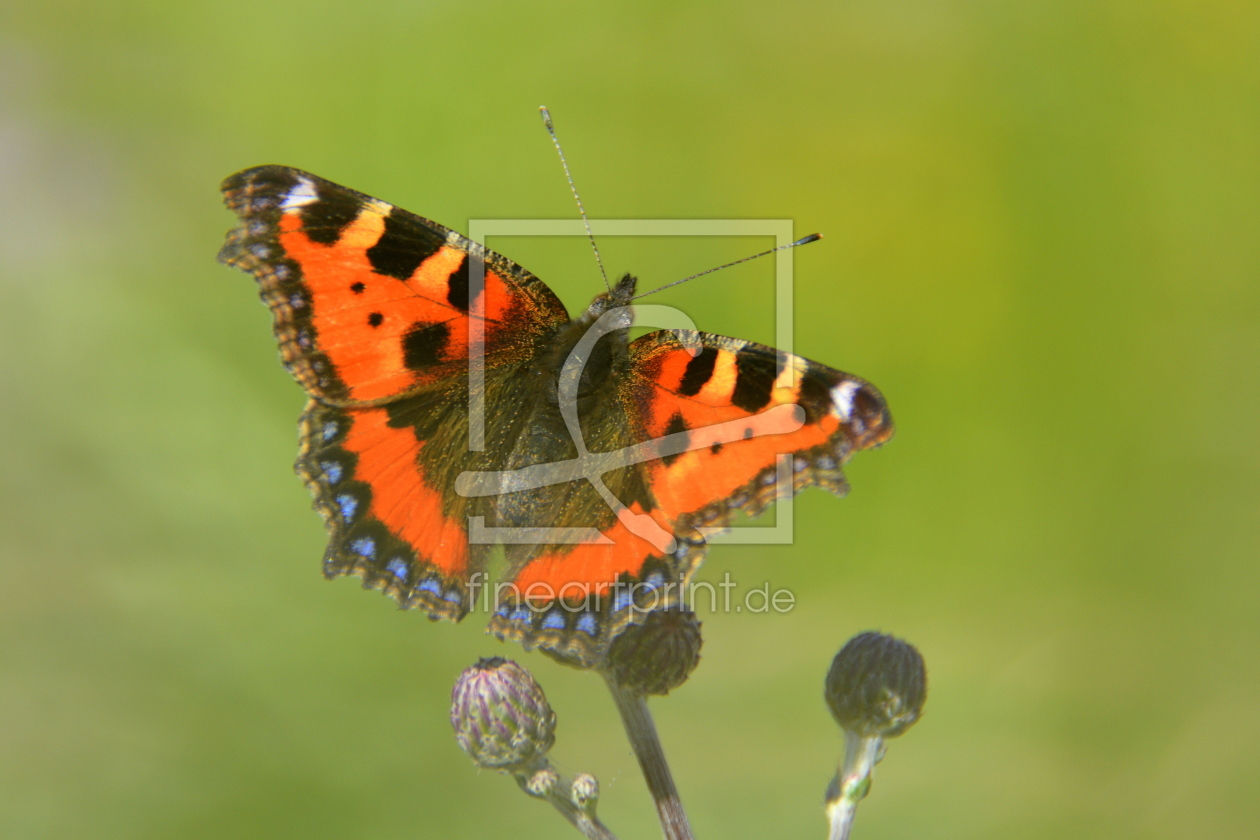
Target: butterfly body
x=595 y=460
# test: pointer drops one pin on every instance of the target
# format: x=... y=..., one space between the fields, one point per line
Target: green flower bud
x=658 y=655
x=542 y=782
x=501 y=716
x=876 y=686
x=584 y=792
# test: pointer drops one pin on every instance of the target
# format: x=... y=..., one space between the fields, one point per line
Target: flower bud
x=501 y=716
x=542 y=782
x=658 y=655
x=584 y=792
x=876 y=686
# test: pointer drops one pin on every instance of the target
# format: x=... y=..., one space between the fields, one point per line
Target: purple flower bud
x=501 y=716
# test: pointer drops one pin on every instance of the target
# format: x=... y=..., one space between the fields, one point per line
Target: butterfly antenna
x=813 y=237
x=551 y=129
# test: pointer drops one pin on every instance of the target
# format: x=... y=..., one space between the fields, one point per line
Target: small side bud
x=584 y=792
x=501 y=716
x=658 y=655
x=542 y=782
x=876 y=686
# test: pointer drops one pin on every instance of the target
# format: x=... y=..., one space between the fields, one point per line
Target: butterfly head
x=620 y=295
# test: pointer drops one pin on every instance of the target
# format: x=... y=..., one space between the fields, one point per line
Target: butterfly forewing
x=371 y=302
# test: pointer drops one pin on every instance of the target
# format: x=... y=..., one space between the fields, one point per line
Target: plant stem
x=647 y=748
x=584 y=821
x=852 y=782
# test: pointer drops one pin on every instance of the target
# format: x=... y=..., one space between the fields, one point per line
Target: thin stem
x=647 y=748
x=852 y=781
x=584 y=820
x=586 y=823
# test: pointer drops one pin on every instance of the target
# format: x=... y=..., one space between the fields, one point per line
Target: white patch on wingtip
x=301 y=195
x=842 y=398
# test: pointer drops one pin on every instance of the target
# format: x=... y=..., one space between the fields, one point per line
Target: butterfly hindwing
x=387 y=519
x=371 y=302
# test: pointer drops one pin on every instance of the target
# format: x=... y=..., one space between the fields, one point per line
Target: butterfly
x=454 y=404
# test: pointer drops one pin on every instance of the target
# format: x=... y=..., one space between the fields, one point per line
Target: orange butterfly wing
x=723 y=415
x=371 y=302
x=709 y=395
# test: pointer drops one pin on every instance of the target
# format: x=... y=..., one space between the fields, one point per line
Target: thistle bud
x=501 y=716
x=876 y=686
x=658 y=655
x=584 y=792
x=542 y=782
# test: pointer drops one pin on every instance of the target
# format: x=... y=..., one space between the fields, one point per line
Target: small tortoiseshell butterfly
x=375 y=311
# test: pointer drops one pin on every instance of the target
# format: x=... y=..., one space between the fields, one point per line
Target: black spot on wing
x=324 y=219
x=457 y=286
x=675 y=426
x=754 y=380
x=715 y=448
x=423 y=345
x=402 y=247
x=814 y=395
x=357 y=287
x=699 y=371
x=636 y=490
x=375 y=319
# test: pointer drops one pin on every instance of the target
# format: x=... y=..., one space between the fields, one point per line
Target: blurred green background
x=1041 y=226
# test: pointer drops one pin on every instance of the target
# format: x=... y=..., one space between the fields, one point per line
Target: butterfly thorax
x=595 y=358
x=579 y=369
